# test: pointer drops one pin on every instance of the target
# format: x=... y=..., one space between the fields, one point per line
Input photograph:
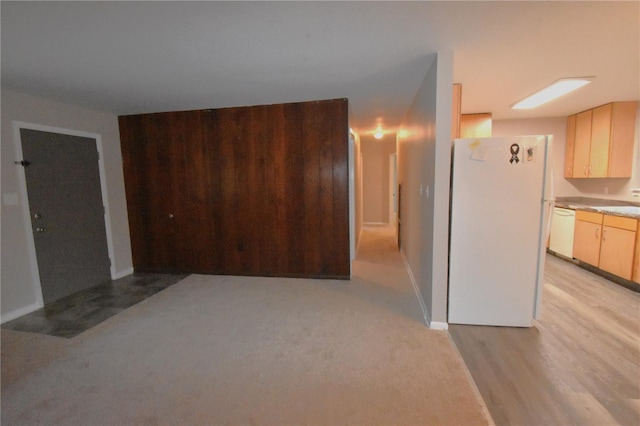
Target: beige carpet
x=248 y=350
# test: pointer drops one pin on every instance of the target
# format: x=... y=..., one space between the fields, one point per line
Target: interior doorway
x=67 y=215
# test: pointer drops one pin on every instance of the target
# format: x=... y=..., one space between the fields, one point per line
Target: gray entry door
x=67 y=214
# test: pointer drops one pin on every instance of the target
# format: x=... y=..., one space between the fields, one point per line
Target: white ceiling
x=137 y=57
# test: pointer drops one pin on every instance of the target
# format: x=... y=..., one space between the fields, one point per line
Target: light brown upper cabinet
x=636 y=261
x=570 y=143
x=456 y=106
x=475 y=125
x=623 y=127
x=467 y=125
x=582 y=144
x=600 y=141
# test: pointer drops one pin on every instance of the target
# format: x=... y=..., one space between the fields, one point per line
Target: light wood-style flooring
x=579 y=364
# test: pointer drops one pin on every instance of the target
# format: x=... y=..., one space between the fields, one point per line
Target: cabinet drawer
x=627 y=223
x=589 y=216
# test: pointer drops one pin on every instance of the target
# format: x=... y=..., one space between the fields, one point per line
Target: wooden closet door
x=325 y=188
x=191 y=193
x=149 y=162
x=223 y=131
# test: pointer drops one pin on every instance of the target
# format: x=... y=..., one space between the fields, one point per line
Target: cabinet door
x=616 y=251
x=475 y=125
x=636 y=262
x=456 y=106
x=600 y=141
x=622 y=139
x=569 y=146
x=582 y=147
x=586 y=242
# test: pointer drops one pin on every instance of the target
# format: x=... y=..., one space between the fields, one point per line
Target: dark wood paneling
x=257 y=190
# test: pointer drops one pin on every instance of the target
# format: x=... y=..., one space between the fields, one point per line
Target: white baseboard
x=434 y=325
x=423 y=306
x=122 y=274
x=19 y=312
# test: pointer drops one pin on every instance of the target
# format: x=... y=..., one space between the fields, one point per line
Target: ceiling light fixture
x=379 y=133
x=551 y=92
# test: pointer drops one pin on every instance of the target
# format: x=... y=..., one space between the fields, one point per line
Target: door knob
x=40 y=229
x=37 y=216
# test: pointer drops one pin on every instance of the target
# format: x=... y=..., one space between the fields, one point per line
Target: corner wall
x=424 y=167
x=19 y=286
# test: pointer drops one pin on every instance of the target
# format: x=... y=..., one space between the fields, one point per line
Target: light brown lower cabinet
x=616 y=251
x=607 y=242
x=636 y=262
x=586 y=237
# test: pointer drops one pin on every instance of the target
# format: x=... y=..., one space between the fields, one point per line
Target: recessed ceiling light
x=553 y=91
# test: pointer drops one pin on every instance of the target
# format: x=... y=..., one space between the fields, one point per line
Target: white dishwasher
x=561 y=238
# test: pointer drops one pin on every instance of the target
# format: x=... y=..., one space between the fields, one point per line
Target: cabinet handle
x=589 y=169
x=604 y=234
x=597 y=229
x=171 y=216
x=584 y=171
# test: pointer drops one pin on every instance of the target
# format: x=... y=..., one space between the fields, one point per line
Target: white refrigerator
x=501 y=199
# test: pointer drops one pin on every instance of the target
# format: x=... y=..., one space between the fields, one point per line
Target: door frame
x=393 y=179
x=24 y=197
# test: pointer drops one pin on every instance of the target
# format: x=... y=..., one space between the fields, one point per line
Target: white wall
x=424 y=162
x=618 y=189
x=19 y=286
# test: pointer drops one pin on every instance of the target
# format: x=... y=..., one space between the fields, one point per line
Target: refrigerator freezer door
x=496 y=223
